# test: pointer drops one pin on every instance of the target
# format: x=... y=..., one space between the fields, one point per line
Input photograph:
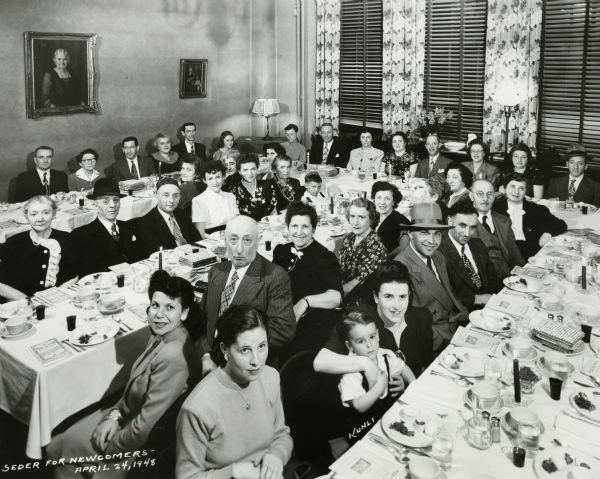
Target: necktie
x=485 y=224
x=192 y=149
x=571 y=188
x=46 y=184
x=227 y=294
x=431 y=163
x=114 y=233
x=134 y=171
x=179 y=239
x=429 y=263
x=325 y=152
x=471 y=270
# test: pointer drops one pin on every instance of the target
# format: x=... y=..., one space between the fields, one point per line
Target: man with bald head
x=247 y=278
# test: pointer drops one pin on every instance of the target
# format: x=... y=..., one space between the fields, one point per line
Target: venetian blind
x=570 y=76
x=455 y=63
x=360 y=62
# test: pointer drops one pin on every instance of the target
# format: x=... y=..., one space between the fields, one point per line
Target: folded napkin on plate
x=435 y=390
x=579 y=434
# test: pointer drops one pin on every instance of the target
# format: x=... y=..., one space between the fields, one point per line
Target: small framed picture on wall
x=60 y=73
x=192 y=78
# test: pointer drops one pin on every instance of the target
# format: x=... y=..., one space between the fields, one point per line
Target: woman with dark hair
x=85 y=177
x=399 y=161
x=361 y=251
x=458 y=180
x=158 y=380
x=479 y=153
x=227 y=147
x=165 y=160
x=520 y=160
x=255 y=198
x=367 y=157
x=315 y=276
x=232 y=424
x=386 y=198
x=402 y=327
x=273 y=150
x=286 y=189
x=59 y=86
x=191 y=183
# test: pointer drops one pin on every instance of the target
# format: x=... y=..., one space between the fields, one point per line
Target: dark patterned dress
x=258 y=206
x=399 y=164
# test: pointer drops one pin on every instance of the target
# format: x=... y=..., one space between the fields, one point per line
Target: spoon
x=400 y=457
x=459 y=381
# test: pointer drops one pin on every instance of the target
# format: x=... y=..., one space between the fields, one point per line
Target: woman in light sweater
x=232 y=424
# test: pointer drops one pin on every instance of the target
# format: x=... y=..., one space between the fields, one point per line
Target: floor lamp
x=509 y=96
x=266 y=107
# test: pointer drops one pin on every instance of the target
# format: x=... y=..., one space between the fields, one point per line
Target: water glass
x=528 y=436
x=442 y=446
x=493 y=372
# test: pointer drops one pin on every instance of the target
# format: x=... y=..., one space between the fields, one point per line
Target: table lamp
x=266 y=107
x=509 y=96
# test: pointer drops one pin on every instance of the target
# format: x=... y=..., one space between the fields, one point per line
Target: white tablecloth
x=43 y=395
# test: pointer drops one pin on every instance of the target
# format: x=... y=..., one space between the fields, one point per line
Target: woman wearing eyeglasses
x=85 y=177
x=479 y=153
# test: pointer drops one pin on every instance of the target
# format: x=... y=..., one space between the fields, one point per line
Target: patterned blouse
x=258 y=206
x=360 y=262
x=399 y=164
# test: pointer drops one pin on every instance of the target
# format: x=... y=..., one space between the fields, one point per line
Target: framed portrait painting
x=192 y=78
x=60 y=73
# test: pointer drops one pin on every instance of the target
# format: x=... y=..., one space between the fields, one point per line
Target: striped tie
x=179 y=239
x=571 y=189
x=227 y=294
x=46 y=184
x=472 y=273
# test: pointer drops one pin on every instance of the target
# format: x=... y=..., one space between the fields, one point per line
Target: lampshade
x=508 y=93
x=266 y=107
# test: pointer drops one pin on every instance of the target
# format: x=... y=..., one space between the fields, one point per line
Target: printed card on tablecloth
x=467 y=338
x=49 y=351
x=359 y=462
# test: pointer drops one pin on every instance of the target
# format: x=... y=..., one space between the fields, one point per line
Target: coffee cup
x=423 y=468
x=112 y=301
x=16 y=324
x=550 y=302
x=485 y=395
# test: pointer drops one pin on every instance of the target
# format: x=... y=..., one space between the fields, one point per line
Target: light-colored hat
x=426 y=216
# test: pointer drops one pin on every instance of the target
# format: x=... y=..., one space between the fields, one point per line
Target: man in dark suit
x=435 y=165
x=429 y=274
x=576 y=185
x=189 y=145
x=247 y=278
x=472 y=276
x=330 y=150
x=105 y=241
x=42 y=180
x=132 y=167
x=495 y=230
x=164 y=225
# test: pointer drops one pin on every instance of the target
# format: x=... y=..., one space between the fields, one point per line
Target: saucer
x=496 y=407
x=28 y=329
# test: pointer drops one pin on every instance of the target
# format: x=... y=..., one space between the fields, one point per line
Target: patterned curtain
x=512 y=63
x=328 y=62
x=403 y=62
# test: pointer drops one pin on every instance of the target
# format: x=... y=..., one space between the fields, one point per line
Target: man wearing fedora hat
x=428 y=272
x=576 y=185
x=105 y=241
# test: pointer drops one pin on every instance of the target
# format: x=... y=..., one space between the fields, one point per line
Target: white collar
x=80 y=174
x=166 y=216
x=41 y=172
x=108 y=224
x=458 y=246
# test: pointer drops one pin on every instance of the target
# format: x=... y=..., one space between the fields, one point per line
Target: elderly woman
x=315 y=275
x=532 y=224
x=479 y=153
x=85 y=177
x=421 y=191
x=232 y=424
x=158 y=379
x=520 y=160
x=164 y=160
x=191 y=183
x=366 y=157
x=286 y=189
x=361 y=251
x=231 y=174
x=40 y=258
x=226 y=147
x=59 y=85
x=386 y=198
x=398 y=161
x=255 y=198
x=458 y=181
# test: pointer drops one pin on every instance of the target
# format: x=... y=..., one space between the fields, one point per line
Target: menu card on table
x=52 y=296
x=359 y=462
x=510 y=304
x=530 y=271
x=49 y=351
x=467 y=338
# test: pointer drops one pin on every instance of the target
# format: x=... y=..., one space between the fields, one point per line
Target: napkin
x=435 y=390
x=579 y=434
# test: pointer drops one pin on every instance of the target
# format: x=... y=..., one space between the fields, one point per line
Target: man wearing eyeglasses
x=495 y=230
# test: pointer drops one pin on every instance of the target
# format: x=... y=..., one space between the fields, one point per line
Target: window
x=360 y=62
x=569 y=108
x=455 y=63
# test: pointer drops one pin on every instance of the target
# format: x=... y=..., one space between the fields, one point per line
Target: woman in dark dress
x=255 y=198
x=59 y=85
x=520 y=160
x=399 y=161
x=316 y=279
x=286 y=189
x=191 y=184
x=386 y=198
x=402 y=327
x=165 y=160
x=34 y=260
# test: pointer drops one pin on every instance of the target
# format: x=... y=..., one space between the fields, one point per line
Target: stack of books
x=133 y=185
x=196 y=260
x=558 y=336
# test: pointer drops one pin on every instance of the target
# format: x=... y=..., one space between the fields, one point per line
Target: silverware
x=459 y=380
x=124 y=326
x=584 y=384
x=574 y=415
x=66 y=342
x=399 y=455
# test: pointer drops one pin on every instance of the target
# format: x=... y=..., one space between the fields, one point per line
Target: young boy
x=313 y=195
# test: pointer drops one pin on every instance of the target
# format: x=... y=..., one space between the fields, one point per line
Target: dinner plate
x=493 y=321
x=494 y=409
x=558 y=456
x=560 y=307
x=523 y=285
x=104 y=310
x=91 y=279
x=467 y=362
x=576 y=398
x=419 y=439
x=97 y=331
x=511 y=431
x=29 y=329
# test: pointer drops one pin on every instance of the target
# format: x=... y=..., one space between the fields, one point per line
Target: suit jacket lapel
x=213 y=300
x=449 y=299
x=454 y=258
x=427 y=279
x=249 y=282
x=164 y=233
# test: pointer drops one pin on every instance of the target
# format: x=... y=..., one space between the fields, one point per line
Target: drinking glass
x=442 y=446
x=493 y=372
x=528 y=436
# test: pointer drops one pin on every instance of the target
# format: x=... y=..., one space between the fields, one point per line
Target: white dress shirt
x=577 y=181
x=41 y=175
x=108 y=225
x=468 y=253
x=241 y=273
x=488 y=220
x=137 y=166
x=516 y=216
x=424 y=259
x=214 y=209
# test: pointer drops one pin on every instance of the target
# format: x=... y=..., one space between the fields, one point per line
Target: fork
x=124 y=326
